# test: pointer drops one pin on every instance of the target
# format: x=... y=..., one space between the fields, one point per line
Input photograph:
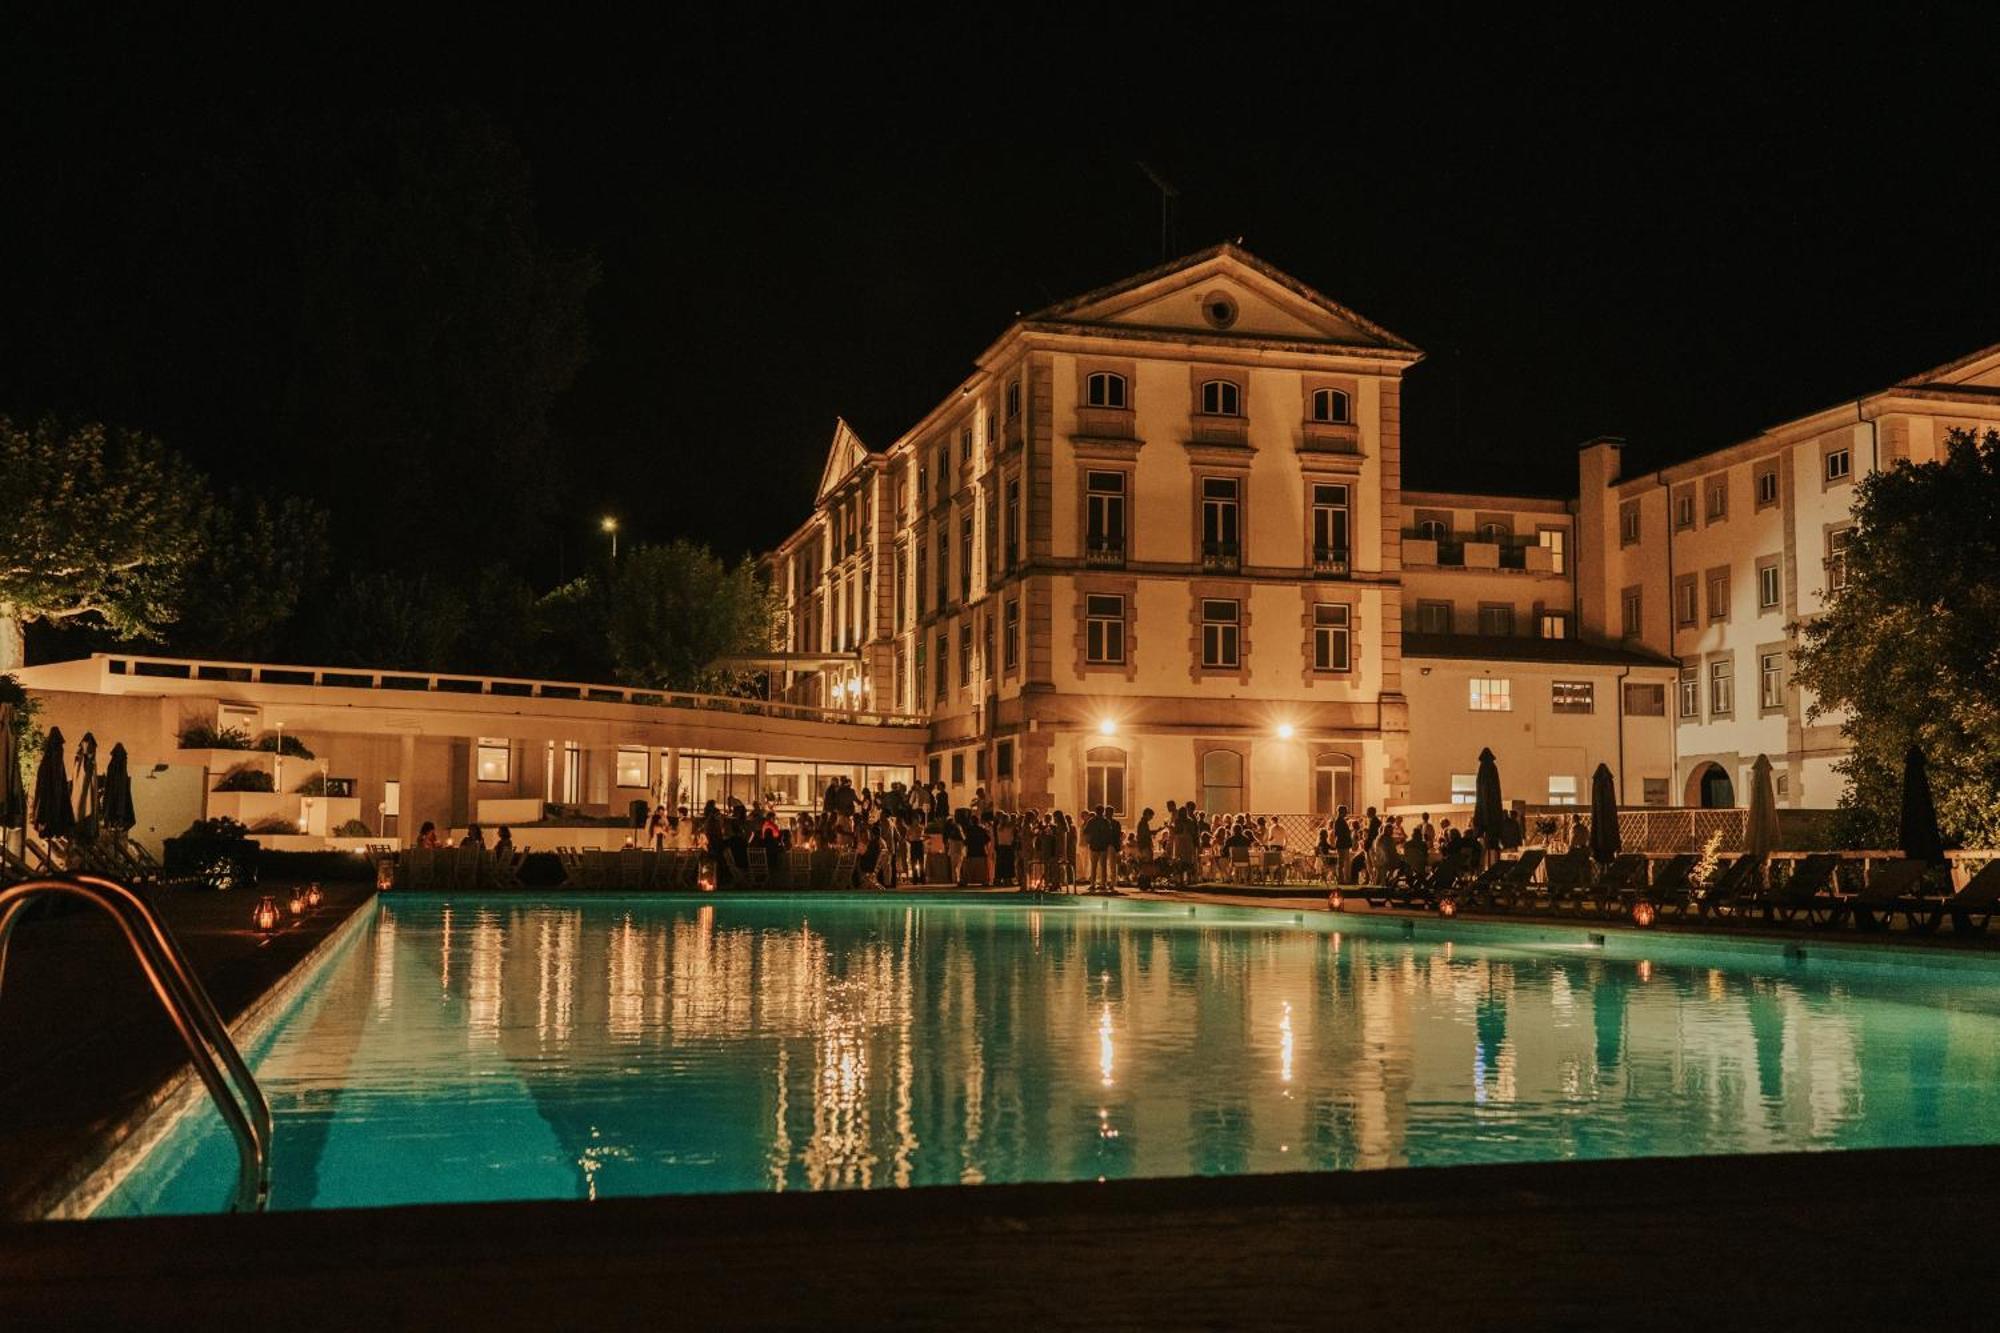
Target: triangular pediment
x=845 y=454
x=1978 y=370
x=1229 y=291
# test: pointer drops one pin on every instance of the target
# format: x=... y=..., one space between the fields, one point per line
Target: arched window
x=1221 y=398
x=1105 y=389
x=1222 y=782
x=1433 y=530
x=1493 y=532
x=1333 y=783
x=1104 y=778
x=1332 y=406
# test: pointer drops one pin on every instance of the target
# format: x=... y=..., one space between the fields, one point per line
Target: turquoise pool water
x=482 y=1049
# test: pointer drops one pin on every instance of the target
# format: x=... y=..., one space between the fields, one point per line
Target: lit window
x=1721 y=689
x=1332 y=407
x=1104 y=778
x=1464 y=788
x=1492 y=696
x=1555 y=625
x=1104 y=389
x=1333 y=783
x=1220 y=628
x=1838 y=464
x=1573 y=696
x=633 y=767
x=1555 y=541
x=1771 y=680
x=1220 y=398
x=1562 y=789
x=1104 y=629
x=1331 y=645
x=495 y=759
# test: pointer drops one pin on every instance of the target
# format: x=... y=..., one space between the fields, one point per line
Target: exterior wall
x=1468 y=574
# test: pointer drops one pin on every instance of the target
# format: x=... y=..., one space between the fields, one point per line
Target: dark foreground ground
x=1849 y=1240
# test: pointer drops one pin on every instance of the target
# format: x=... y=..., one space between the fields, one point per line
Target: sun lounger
x=1974 y=905
x=1733 y=890
x=1567 y=881
x=1617 y=886
x=1809 y=891
x=1510 y=886
x=1672 y=891
x=1892 y=887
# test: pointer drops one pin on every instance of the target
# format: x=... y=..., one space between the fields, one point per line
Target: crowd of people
x=915 y=834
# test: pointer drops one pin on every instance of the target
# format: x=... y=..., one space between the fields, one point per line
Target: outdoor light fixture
x=1333 y=901
x=298 y=902
x=1642 y=913
x=385 y=875
x=1447 y=907
x=1107 y=728
x=609 y=527
x=266 y=916
x=313 y=896
x=1285 y=731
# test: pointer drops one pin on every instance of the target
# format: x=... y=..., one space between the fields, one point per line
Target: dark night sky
x=1680 y=234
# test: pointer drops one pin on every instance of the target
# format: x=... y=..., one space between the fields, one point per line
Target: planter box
x=1538 y=560
x=1420 y=551
x=1482 y=555
x=250 y=808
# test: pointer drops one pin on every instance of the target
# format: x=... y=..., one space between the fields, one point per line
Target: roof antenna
x=1167 y=196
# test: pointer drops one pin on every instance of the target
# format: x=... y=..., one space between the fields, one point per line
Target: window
x=1767 y=583
x=1839 y=464
x=1573 y=696
x=1562 y=789
x=1013 y=399
x=1464 y=788
x=1013 y=522
x=986 y=659
x=1718 y=498
x=939 y=667
x=1333 y=783
x=1220 y=398
x=1721 y=688
x=965 y=557
x=496 y=759
x=1771 y=680
x=1718 y=594
x=1104 y=519
x=1690 y=695
x=1633 y=623
x=1766 y=483
x=572 y=772
x=1556 y=542
x=1219 y=632
x=1495 y=619
x=1656 y=790
x=1104 y=629
x=392 y=799
x=1433 y=617
x=902 y=690
x=1433 y=530
x=1492 y=696
x=633 y=767
x=965 y=654
x=944 y=563
x=1837 y=543
x=1222 y=782
x=1329 y=527
x=923 y=487
x=1645 y=700
x=1684 y=508
x=1011 y=634
x=1332 y=407
x=1003 y=760
x=1104 y=389
x=1628 y=523
x=1331 y=646
x=1687 y=611
x=1492 y=531
x=979 y=765
x=1220 y=500
x=957 y=767
x=1555 y=625
x=944 y=471
x=965 y=447
x=902 y=587
x=1104 y=778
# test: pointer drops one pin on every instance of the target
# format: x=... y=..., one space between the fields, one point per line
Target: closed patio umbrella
x=1487 y=812
x=52 y=815
x=1760 y=834
x=118 y=812
x=1920 y=838
x=10 y=773
x=84 y=788
x=1603 y=816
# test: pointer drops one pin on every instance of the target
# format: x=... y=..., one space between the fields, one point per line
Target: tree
x=408 y=621
x=96 y=525
x=259 y=557
x=1908 y=652
x=676 y=608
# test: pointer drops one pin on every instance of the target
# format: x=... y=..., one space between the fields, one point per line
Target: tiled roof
x=1507 y=648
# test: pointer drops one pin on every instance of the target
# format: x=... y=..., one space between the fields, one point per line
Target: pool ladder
x=215 y=1057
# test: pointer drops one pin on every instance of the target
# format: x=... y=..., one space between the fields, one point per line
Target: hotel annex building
x=1156 y=546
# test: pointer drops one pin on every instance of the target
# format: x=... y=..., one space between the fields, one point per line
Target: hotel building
x=1156 y=546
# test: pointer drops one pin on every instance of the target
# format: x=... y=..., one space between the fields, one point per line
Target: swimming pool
x=466 y=1049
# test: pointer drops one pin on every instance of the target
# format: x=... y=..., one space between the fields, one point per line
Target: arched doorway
x=1710 y=788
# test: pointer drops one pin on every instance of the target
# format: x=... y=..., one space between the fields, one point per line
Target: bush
x=354 y=828
x=312 y=786
x=202 y=736
x=274 y=824
x=220 y=829
x=291 y=747
x=245 y=779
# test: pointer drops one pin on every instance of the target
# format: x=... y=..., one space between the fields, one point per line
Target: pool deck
x=87 y=1047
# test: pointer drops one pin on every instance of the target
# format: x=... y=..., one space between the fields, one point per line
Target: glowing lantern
x=385 y=875
x=313 y=896
x=266 y=915
x=1447 y=907
x=298 y=902
x=1642 y=913
x=1333 y=901
x=708 y=876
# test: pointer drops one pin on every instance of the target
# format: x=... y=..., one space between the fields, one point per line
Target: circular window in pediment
x=1219 y=309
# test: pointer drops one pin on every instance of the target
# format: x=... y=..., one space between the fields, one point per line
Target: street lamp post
x=610 y=526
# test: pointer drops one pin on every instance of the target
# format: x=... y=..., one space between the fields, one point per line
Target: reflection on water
x=497 y=1050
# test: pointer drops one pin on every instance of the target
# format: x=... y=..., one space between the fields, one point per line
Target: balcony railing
x=1104 y=551
x=1331 y=437
x=1220 y=555
x=1467 y=550
x=1330 y=561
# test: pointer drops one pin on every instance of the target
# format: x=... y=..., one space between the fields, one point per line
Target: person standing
x=1142 y=850
x=1343 y=847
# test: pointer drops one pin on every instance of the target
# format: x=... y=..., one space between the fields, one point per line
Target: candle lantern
x=313 y=896
x=1642 y=913
x=1333 y=901
x=385 y=874
x=298 y=902
x=707 y=875
x=1447 y=907
x=266 y=915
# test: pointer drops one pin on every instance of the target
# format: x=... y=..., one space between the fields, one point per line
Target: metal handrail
x=189 y=1008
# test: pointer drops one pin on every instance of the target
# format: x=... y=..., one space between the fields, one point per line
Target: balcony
x=1104 y=552
x=1232 y=431
x=1465 y=550
x=1107 y=423
x=1329 y=437
x=1330 y=562
x=1221 y=555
